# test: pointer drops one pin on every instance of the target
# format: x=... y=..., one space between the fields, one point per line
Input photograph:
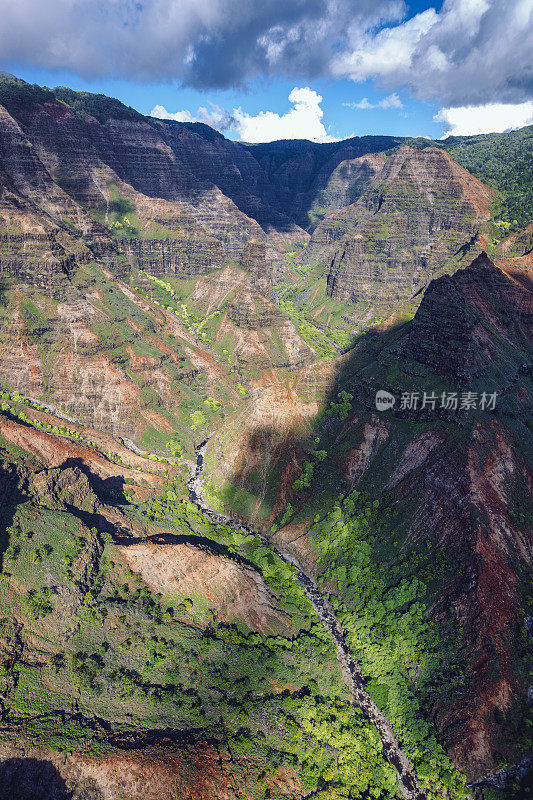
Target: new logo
x=384 y=400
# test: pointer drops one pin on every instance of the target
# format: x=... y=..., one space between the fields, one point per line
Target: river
x=350 y=668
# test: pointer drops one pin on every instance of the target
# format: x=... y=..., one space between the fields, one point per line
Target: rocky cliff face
x=459 y=347
x=453 y=483
x=306 y=181
x=421 y=211
x=181 y=198
x=209 y=178
x=475 y=331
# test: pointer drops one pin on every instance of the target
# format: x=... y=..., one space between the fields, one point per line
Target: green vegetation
x=304 y=481
x=118 y=214
x=379 y=595
x=327 y=342
x=501 y=160
x=138 y=659
x=99 y=106
x=379 y=599
x=83 y=638
x=341 y=407
x=198 y=326
x=20 y=97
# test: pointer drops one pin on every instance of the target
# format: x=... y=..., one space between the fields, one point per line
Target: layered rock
x=41 y=226
x=459 y=348
x=260 y=335
x=468 y=474
x=306 y=180
x=341 y=188
x=173 y=256
x=189 y=200
x=212 y=178
x=421 y=211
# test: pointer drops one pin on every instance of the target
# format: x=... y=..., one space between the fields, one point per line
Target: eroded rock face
x=208 y=182
x=465 y=479
x=448 y=334
x=232 y=589
x=40 y=224
x=58 y=451
x=418 y=213
x=307 y=181
x=188 y=200
x=62 y=488
x=164 y=770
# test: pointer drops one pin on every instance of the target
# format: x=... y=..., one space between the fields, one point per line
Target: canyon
x=336 y=603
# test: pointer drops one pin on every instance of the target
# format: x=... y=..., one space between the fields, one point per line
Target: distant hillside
x=505 y=162
x=502 y=160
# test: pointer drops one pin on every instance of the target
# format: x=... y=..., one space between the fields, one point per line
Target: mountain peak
x=470 y=324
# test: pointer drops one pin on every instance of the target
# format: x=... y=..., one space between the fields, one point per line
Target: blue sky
x=414 y=118
x=350 y=67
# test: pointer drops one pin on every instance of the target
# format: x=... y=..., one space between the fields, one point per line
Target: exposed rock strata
x=420 y=212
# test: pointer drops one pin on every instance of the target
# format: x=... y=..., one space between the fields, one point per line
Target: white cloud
x=178 y=116
x=471 y=52
x=382 y=54
x=303 y=121
x=216 y=117
x=391 y=101
x=362 y=105
x=489 y=118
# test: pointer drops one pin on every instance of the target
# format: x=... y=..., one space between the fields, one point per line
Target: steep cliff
x=450 y=478
x=421 y=212
x=89 y=178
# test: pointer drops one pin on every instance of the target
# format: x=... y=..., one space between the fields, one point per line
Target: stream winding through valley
x=350 y=668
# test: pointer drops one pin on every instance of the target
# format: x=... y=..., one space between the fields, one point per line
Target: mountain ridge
x=174 y=301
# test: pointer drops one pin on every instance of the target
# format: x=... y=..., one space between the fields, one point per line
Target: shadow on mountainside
x=31 y=779
x=471 y=334
x=110 y=490
x=10 y=495
x=452 y=484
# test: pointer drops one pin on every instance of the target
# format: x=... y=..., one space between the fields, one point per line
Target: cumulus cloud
x=470 y=52
x=204 y=43
x=378 y=55
x=391 y=101
x=489 y=118
x=216 y=117
x=302 y=121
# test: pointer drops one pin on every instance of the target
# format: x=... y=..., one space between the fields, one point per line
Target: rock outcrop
x=231 y=589
x=420 y=212
x=449 y=332
x=63 y=488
